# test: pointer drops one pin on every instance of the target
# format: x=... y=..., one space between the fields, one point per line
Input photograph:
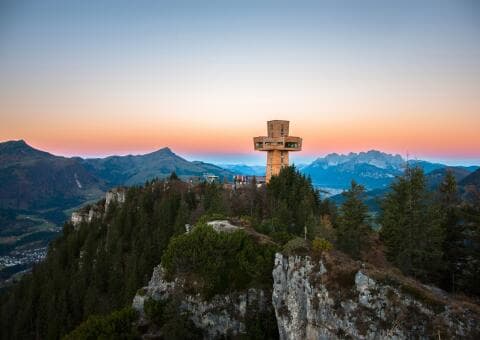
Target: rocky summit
x=333 y=299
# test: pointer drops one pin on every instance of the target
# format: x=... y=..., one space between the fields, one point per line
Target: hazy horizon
x=255 y=158
x=101 y=78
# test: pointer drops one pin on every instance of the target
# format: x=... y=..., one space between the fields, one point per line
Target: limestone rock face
x=85 y=216
x=77 y=218
x=89 y=213
x=311 y=301
x=115 y=195
x=223 y=315
x=223 y=225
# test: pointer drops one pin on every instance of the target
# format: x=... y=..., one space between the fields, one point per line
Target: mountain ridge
x=373 y=169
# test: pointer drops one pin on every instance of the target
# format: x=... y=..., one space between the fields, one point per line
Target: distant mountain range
x=34 y=179
x=373 y=169
x=131 y=170
x=464 y=176
x=242 y=169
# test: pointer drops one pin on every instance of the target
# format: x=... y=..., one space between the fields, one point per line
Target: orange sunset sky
x=83 y=79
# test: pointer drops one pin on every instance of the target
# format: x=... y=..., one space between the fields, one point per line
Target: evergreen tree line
x=97 y=268
x=431 y=236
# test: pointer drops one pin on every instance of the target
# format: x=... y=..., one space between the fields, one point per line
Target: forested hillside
x=39 y=190
x=96 y=268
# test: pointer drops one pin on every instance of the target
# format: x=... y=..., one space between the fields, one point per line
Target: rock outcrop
x=116 y=195
x=325 y=300
x=223 y=225
x=86 y=215
x=221 y=316
x=90 y=212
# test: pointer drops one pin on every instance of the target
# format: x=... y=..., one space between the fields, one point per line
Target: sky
x=96 y=78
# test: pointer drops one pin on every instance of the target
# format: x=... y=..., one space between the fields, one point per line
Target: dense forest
x=93 y=270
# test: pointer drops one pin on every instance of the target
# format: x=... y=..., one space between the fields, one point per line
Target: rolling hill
x=136 y=169
x=33 y=179
x=472 y=179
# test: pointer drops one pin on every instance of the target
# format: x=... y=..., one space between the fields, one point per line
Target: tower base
x=276 y=159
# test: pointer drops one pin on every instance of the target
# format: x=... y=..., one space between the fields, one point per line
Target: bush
x=319 y=245
x=325 y=229
x=172 y=322
x=296 y=246
x=155 y=310
x=281 y=237
x=181 y=327
x=117 y=325
x=219 y=261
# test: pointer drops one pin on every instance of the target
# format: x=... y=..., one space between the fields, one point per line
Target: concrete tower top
x=277 y=128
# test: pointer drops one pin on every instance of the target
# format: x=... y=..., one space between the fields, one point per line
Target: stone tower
x=277 y=144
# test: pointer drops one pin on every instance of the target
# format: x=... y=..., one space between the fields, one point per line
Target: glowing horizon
x=89 y=79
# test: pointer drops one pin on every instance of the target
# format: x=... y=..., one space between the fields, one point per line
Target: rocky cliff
x=336 y=298
x=328 y=296
x=221 y=316
x=87 y=213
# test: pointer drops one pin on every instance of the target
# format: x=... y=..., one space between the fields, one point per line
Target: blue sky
x=96 y=78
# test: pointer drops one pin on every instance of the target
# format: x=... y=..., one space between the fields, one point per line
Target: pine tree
x=453 y=247
x=353 y=228
x=411 y=227
x=173 y=176
x=469 y=263
x=293 y=202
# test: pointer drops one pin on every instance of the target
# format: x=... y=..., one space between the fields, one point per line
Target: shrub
x=117 y=325
x=155 y=310
x=181 y=327
x=172 y=321
x=281 y=237
x=296 y=246
x=319 y=245
x=325 y=228
x=220 y=261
